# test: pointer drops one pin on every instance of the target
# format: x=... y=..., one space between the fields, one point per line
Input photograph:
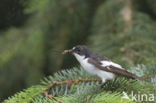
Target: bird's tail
x=139 y=78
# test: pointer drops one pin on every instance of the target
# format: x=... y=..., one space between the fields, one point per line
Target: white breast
x=92 y=69
x=84 y=63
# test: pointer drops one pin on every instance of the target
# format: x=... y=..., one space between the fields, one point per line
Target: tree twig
x=69 y=83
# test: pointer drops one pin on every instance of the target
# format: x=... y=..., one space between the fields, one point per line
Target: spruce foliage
x=83 y=88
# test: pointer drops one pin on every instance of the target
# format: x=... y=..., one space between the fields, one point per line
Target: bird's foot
x=101 y=85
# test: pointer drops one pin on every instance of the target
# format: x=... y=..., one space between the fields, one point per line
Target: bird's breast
x=87 y=66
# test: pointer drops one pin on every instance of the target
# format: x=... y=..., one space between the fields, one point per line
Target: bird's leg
x=102 y=83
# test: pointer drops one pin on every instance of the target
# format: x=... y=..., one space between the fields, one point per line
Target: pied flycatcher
x=96 y=64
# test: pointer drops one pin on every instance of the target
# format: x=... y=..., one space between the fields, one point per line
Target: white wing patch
x=109 y=63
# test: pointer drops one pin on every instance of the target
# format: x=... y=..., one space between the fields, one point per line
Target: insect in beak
x=67 y=51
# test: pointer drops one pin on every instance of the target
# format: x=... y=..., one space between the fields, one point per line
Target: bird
x=96 y=64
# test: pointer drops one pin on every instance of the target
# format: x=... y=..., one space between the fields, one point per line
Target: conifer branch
x=51 y=96
x=70 y=82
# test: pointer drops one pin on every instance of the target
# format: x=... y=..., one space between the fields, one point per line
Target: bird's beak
x=67 y=51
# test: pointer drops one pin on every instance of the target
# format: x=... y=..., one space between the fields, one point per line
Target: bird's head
x=81 y=50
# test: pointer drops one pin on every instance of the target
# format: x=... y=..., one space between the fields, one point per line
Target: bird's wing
x=115 y=70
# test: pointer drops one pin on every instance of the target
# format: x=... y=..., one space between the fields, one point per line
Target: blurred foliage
x=137 y=45
x=147 y=6
x=21 y=60
x=62 y=31
x=11 y=13
x=31 y=46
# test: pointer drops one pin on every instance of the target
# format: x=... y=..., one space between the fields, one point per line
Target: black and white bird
x=96 y=64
